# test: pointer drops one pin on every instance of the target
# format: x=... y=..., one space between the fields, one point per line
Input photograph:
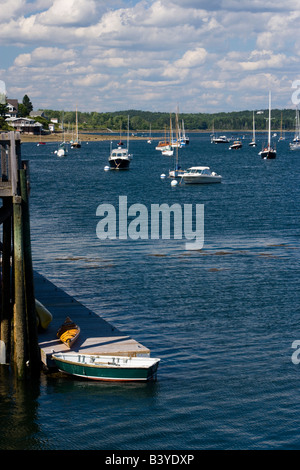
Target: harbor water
x=222 y=319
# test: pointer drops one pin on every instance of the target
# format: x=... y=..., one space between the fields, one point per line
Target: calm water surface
x=222 y=319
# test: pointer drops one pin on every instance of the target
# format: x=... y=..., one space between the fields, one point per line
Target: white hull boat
x=200 y=175
x=220 y=140
x=107 y=368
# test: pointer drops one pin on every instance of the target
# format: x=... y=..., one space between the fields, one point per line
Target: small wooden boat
x=68 y=332
x=107 y=368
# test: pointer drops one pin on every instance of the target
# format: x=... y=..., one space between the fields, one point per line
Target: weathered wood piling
x=18 y=327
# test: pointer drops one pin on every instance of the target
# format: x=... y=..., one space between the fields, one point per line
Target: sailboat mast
x=76 y=124
x=177 y=125
x=128 y=133
x=269 y=133
x=253 y=128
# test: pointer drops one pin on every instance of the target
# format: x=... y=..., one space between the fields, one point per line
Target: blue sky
x=202 y=55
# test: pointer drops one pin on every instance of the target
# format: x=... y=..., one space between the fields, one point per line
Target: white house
x=12 y=107
x=25 y=125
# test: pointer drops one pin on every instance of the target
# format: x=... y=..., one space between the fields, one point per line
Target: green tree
x=3 y=110
x=22 y=110
x=27 y=103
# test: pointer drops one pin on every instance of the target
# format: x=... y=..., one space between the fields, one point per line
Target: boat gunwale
x=108 y=365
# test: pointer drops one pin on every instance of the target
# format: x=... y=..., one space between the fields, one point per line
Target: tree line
x=157 y=121
x=143 y=120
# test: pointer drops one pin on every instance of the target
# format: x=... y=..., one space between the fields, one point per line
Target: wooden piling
x=33 y=348
x=6 y=310
x=18 y=328
x=19 y=318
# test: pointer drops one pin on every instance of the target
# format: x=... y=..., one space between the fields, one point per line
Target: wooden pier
x=21 y=344
x=97 y=336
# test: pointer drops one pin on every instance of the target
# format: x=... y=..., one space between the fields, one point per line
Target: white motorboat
x=200 y=174
x=119 y=158
x=177 y=173
x=167 y=153
x=62 y=150
x=295 y=146
x=220 y=140
x=237 y=144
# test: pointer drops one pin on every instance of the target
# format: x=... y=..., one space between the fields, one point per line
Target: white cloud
x=44 y=55
x=267 y=60
x=240 y=5
x=68 y=12
x=192 y=58
x=93 y=79
x=210 y=52
x=10 y=9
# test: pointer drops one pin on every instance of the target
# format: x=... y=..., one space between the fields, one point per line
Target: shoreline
x=98 y=137
x=88 y=137
x=95 y=137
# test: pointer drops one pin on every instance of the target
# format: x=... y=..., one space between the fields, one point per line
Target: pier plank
x=97 y=336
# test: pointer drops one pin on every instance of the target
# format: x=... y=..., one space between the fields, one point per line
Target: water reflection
x=18 y=409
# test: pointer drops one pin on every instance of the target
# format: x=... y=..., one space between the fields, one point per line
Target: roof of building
x=13 y=102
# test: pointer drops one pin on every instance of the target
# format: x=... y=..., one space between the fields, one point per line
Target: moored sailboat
x=268 y=152
x=177 y=172
x=282 y=137
x=295 y=145
x=76 y=144
x=253 y=142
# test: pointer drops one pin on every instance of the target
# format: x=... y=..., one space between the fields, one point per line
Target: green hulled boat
x=108 y=368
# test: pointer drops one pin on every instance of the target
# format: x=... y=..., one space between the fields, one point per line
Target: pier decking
x=97 y=336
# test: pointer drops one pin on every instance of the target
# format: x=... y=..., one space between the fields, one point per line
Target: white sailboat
x=62 y=148
x=212 y=135
x=177 y=172
x=149 y=141
x=295 y=145
x=168 y=152
x=282 y=137
x=180 y=140
x=268 y=152
x=297 y=128
x=185 y=138
x=253 y=143
x=163 y=144
x=76 y=144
